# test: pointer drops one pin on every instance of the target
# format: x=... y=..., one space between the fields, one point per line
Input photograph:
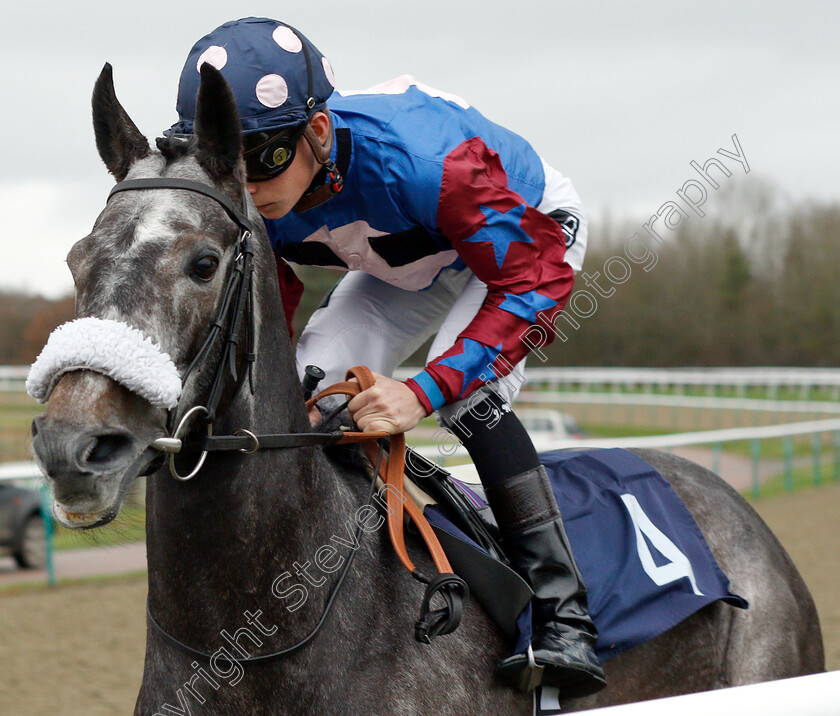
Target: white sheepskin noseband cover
x=111 y=347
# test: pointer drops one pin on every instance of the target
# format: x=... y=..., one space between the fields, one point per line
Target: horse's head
x=149 y=279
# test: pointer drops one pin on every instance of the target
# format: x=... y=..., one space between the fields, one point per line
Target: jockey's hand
x=314 y=416
x=388 y=405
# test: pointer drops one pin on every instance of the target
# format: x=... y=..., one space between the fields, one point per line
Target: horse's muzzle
x=90 y=446
x=63 y=449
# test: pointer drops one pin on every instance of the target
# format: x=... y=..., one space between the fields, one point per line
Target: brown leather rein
x=392 y=473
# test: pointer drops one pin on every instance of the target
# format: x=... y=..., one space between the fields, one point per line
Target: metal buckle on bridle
x=248 y=451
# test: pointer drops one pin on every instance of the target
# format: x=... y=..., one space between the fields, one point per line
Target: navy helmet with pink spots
x=278 y=77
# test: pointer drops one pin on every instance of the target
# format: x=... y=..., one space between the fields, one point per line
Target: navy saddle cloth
x=644 y=561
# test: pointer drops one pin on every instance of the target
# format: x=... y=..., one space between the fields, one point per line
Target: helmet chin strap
x=319 y=192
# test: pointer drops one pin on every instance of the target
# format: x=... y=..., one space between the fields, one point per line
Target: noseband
x=236 y=310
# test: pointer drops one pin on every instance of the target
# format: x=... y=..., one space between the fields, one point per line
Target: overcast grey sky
x=618 y=96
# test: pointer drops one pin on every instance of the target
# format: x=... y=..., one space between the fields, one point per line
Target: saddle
x=643 y=558
x=467 y=531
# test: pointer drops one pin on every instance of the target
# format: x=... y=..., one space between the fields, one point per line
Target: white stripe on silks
x=110 y=347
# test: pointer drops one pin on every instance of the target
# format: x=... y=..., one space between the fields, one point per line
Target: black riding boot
x=534 y=539
x=563 y=633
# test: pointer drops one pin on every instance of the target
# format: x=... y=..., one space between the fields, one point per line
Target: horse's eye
x=204 y=267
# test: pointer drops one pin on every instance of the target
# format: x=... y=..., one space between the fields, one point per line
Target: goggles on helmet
x=269 y=154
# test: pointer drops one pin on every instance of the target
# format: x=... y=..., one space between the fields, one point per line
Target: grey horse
x=231 y=551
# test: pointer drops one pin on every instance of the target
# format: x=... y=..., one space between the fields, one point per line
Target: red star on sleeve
x=510 y=246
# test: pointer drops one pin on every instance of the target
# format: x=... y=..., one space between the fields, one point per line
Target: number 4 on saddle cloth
x=644 y=561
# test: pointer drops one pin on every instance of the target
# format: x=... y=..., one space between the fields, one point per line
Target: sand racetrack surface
x=78 y=649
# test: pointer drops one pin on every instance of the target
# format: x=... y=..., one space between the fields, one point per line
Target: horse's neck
x=218 y=543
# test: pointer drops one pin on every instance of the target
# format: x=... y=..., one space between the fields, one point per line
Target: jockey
x=449 y=226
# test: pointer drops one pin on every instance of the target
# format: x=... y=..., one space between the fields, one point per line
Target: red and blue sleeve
x=514 y=249
x=291 y=289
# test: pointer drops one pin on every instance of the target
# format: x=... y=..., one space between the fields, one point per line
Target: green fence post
x=717 y=449
x=674 y=413
x=46 y=513
x=628 y=415
x=836 y=441
x=817 y=454
x=584 y=412
x=756 y=457
x=696 y=410
x=788 y=448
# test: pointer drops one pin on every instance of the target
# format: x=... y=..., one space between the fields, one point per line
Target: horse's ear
x=118 y=140
x=217 y=129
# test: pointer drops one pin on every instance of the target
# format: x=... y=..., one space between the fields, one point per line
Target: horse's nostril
x=107 y=448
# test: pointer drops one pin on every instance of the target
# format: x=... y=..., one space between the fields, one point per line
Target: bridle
x=236 y=310
x=235 y=313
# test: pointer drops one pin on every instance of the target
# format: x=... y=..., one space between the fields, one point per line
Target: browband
x=242 y=221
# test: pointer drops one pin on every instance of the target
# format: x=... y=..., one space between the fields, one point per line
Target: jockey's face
x=276 y=197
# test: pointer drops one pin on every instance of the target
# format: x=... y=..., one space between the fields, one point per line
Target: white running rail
x=13 y=377
x=679 y=401
x=816 y=695
x=739 y=379
x=703 y=437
